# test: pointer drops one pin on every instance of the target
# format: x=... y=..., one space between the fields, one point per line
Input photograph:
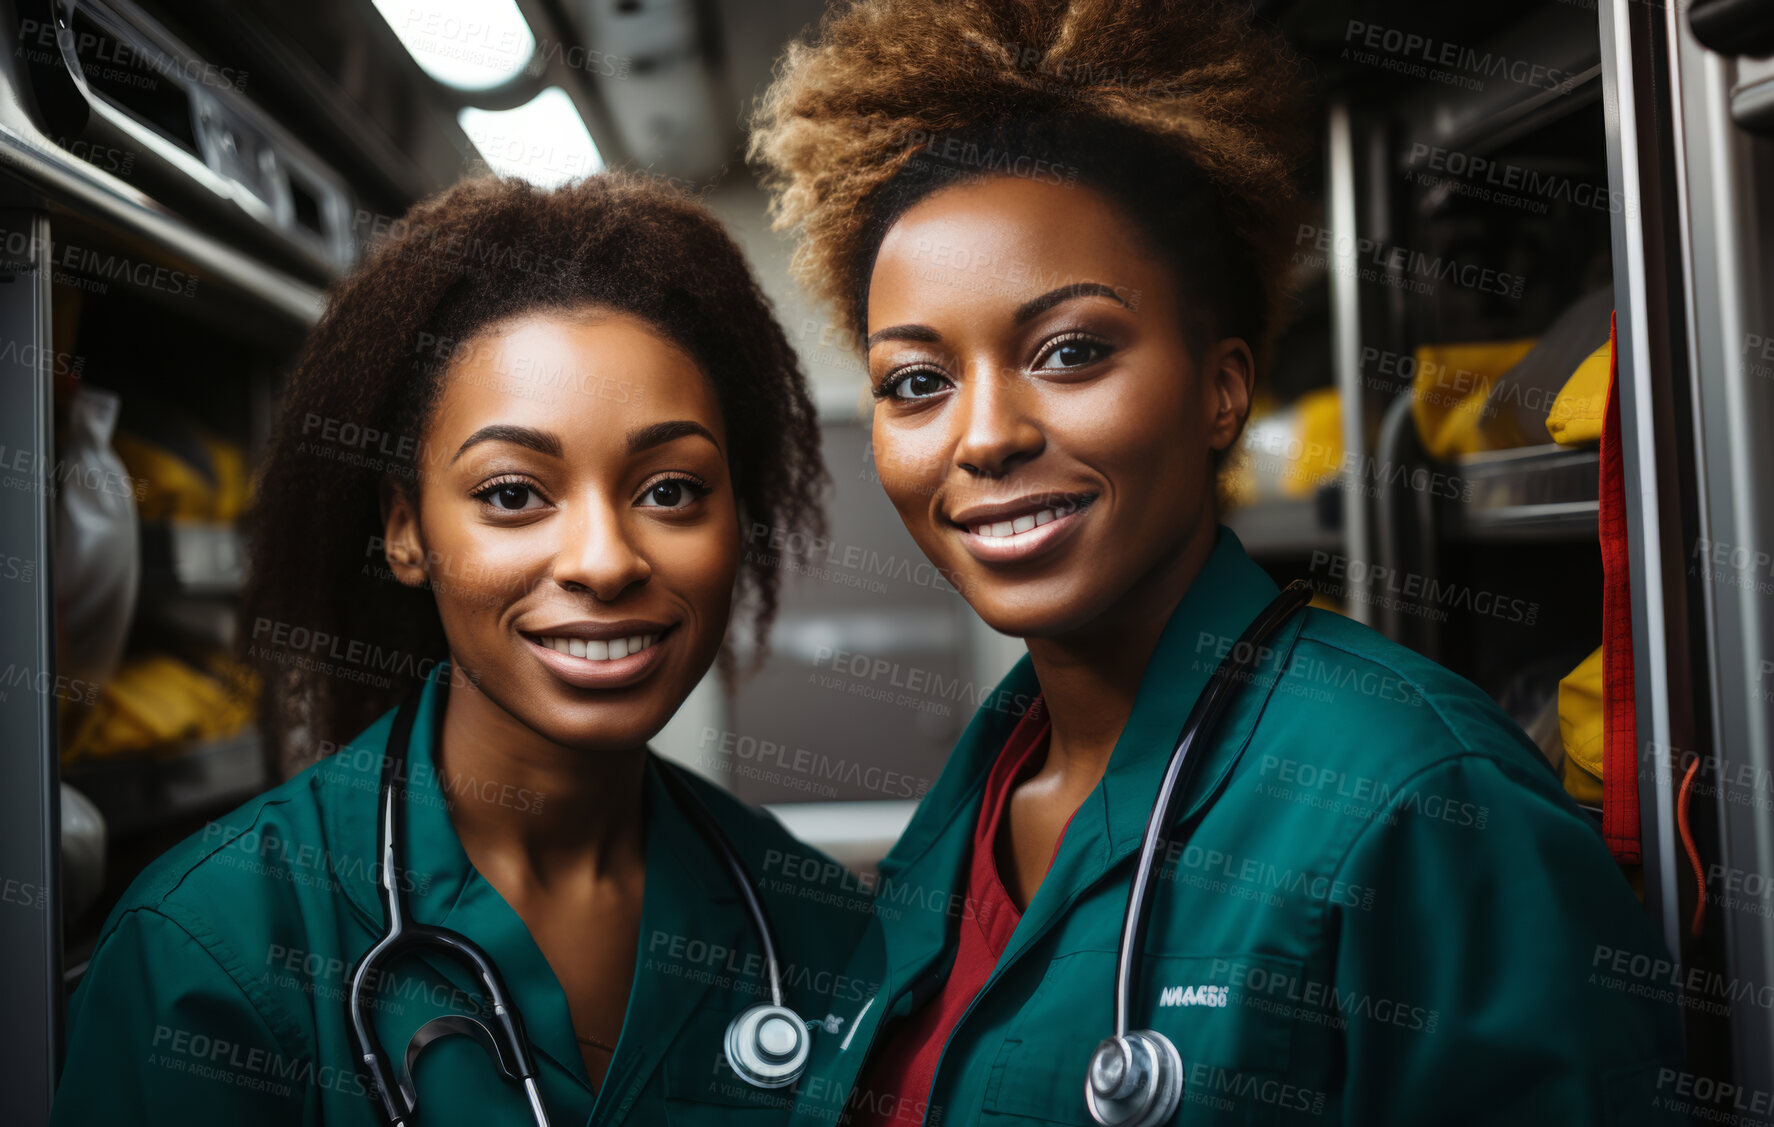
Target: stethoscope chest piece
x=767 y=1046
x=1135 y=1080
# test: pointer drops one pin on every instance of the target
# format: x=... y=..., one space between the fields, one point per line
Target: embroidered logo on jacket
x=1192 y=996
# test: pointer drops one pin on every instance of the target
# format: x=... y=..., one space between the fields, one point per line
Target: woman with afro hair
x=1061 y=233
x=501 y=510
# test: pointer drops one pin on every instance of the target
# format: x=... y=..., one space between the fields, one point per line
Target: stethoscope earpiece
x=767 y=1046
x=1135 y=1080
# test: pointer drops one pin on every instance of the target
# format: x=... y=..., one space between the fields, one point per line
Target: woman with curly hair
x=1062 y=233
x=499 y=523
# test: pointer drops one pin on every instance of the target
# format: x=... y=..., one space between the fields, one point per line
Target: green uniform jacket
x=217 y=992
x=1383 y=908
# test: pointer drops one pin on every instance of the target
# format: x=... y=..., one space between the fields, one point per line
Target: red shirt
x=895 y=1085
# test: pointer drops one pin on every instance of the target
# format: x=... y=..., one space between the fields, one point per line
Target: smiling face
x=1039 y=422
x=577 y=522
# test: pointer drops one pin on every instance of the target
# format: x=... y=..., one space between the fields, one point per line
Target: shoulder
x=254 y=873
x=198 y=929
x=1374 y=703
x=1367 y=756
x=206 y=864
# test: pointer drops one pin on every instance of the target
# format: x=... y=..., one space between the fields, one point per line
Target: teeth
x=599 y=650
x=997 y=530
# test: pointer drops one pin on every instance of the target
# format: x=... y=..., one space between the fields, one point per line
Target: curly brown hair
x=1181 y=110
x=372 y=369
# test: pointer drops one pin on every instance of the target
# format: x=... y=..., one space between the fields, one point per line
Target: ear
x=1231 y=373
x=401 y=542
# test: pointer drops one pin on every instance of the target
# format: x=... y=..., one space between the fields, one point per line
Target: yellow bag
x=1449 y=394
x=1285 y=452
x=1321 y=442
x=176 y=489
x=1580 y=724
x=158 y=703
x=1576 y=415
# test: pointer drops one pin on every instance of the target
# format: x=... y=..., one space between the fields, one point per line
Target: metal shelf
x=1533 y=493
x=193 y=558
x=1482 y=121
x=74 y=186
x=1484 y=126
x=141 y=792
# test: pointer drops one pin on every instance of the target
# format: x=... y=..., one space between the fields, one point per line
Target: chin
x=597 y=723
x=614 y=734
x=1036 y=614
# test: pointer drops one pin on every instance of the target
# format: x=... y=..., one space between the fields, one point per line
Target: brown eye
x=1074 y=352
x=672 y=493
x=508 y=496
x=919 y=384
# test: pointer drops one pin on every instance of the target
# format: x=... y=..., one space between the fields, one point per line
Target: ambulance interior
x=1517 y=422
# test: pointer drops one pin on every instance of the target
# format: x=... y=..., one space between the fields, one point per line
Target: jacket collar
x=439 y=884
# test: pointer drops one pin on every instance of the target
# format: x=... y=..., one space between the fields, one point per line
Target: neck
x=532 y=814
x=1091 y=676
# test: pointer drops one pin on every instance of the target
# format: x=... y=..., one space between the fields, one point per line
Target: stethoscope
x=1136 y=1078
x=766 y=1046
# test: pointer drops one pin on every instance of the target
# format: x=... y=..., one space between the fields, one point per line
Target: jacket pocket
x=1235 y=1049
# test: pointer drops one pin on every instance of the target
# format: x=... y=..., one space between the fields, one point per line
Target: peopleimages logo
x=1413 y=48
x=1544 y=185
x=1399 y=265
x=1425 y=589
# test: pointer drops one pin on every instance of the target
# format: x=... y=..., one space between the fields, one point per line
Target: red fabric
x=1620 y=812
x=895 y=1084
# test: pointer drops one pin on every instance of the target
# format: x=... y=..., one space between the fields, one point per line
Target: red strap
x=1620 y=812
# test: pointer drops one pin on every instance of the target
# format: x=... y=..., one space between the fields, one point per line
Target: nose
x=597 y=552
x=999 y=425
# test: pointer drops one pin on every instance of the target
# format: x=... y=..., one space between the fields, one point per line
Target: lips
x=591 y=655
x=1014 y=518
x=1015 y=531
x=594 y=649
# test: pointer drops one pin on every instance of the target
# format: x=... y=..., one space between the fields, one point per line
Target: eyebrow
x=541 y=441
x=547 y=442
x=1025 y=313
x=1035 y=306
x=921 y=333
x=658 y=434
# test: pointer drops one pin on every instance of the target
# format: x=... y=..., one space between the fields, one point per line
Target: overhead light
x=543 y=141
x=468 y=44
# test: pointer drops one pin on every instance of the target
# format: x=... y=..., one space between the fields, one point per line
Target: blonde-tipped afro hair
x=1210 y=106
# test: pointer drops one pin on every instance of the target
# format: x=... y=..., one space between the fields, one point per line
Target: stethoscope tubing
x=395 y=1095
x=704 y=820
x=1234 y=667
